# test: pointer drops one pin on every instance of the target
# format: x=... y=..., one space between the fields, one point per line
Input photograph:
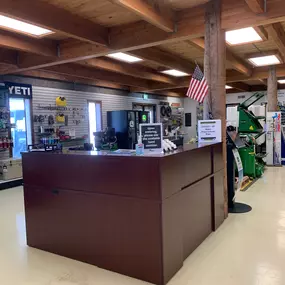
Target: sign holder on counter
x=152 y=137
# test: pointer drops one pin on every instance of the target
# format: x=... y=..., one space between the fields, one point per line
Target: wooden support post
x=272 y=89
x=215 y=72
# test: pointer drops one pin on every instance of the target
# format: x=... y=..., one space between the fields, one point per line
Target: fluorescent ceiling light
x=242 y=36
x=265 y=60
x=174 y=72
x=229 y=87
x=22 y=27
x=124 y=57
x=281 y=81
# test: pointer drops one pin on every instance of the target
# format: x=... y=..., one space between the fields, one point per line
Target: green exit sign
x=145 y=96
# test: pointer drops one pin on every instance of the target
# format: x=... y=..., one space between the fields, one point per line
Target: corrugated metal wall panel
x=78 y=99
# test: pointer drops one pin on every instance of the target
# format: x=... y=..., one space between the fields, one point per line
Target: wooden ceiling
x=166 y=34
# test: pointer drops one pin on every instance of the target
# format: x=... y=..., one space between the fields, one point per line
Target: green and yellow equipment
x=250 y=130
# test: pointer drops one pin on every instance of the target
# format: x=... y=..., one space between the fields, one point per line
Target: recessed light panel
x=242 y=36
x=229 y=87
x=174 y=72
x=281 y=81
x=124 y=57
x=265 y=60
x=22 y=27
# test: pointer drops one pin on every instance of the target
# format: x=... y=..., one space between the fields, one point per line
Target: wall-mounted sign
x=177 y=105
x=152 y=137
x=209 y=131
x=19 y=90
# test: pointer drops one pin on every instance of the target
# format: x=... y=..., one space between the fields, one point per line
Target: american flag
x=198 y=88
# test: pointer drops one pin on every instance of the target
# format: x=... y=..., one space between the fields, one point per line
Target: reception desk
x=138 y=216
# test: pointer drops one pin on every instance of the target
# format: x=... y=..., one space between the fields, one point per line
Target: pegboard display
x=76 y=110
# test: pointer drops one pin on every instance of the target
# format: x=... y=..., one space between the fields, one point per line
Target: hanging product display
x=60 y=118
x=60 y=102
x=5 y=143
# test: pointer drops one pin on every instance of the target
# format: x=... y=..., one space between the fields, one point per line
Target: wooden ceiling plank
x=190 y=24
x=170 y=93
x=147 y=13
x=262 y=32
x=165 y=59
x=69 y=78
x=257 y=6
x=31 y=45
x=183 y=82
x=8 y=57
x=277 y=34
x=256 y=88
x=91 y=73
x=26 y=61
x=127 y=69
x=241 y=86
x=56 y=19
x=236 y=63
x=198 y=43
x=257 y=74
x=140 y=35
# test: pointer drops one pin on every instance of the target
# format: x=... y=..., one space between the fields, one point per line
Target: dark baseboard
x=11 y=183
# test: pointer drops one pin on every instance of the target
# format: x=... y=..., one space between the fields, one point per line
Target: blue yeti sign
x=19 y=90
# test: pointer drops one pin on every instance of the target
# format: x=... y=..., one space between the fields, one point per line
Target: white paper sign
x=209 y=131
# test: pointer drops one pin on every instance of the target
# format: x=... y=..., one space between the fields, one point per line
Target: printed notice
x=209 y=131
x=151 y=135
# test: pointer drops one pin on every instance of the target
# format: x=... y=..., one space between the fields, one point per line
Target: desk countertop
x=131 y=153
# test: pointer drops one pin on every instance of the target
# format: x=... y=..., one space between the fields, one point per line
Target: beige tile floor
x=248 y=249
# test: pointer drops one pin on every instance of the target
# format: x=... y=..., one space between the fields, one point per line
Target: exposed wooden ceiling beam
x=263 y=82
x=257 y=6
x=255 y=88
x=28 y=62
x=182 y=82
x=241 y=86
x=98 y=83
x=190 y=24
x=56 y=19
x=36 y=46
x=235 y=14
x=148 y=13
x=277 y=34
x=258 y=73
x=236 y=63
x=127 y=69
x=91 y=73
x=165 y=59
x=170 y=93
x=8 y=57
x=141 y=35
x=69 y=78
x=8 y=60
x=262 y=32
